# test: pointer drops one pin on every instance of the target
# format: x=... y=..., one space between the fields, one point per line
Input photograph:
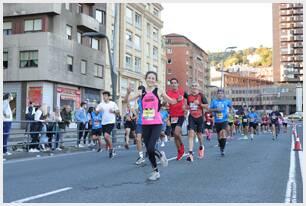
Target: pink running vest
x=150 y=109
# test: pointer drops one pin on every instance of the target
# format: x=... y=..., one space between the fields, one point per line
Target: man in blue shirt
x=253 y=121
x=81 y=119
x=219 y=107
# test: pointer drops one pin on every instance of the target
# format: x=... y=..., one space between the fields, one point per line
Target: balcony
x=298 y=38
x=286 y=6
x=298 y=45
x=298 y=58
x=87 y=23
x=298 y=18
x=297 y=65
x=286 y=12
x=297 y=5
x=10 y=9
x=298 y=51
x=298 y=25
x=298 y=31
x=299 y=11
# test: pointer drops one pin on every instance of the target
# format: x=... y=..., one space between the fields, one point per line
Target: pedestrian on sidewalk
x=7 y=121
x=66 y=120
x=29 y=116
x=81 y=119
x=56 y=118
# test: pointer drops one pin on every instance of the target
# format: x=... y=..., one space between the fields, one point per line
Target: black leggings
x=150 y=134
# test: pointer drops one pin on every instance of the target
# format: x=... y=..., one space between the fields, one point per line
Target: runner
x=208 y=125
x=129 y=126
x=165 y=116
x=265 y=122
x=219 y=107
x=152 y=121
x=128 y=98
x=177 y=115
x=274 y=115
x=237 y=123
x=245 y=124
x=285 y=124
x=109 y=109
x=96 y=122
x=196 y=102
x=253 y=119
x=230 y=127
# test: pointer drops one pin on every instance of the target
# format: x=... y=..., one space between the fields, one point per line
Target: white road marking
x=291 y=184
x=301 y=163
x=42 y=195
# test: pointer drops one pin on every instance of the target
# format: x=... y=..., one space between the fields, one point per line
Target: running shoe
x=112 y=153
x=189 y=158
x=162 y=144
x=222 y=152
x=140 y=160
x=180 y=152
x=99 y=149
x=154 y=176
x=127 y=146
x=163 y=159
x=201 y=153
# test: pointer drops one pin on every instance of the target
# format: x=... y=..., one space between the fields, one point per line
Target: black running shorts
x=195 y=124
x=220 y=126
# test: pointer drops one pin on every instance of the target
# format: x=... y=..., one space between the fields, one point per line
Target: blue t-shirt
x=221 y=116
x=96 y=120
x=164 y=115
x=253 y=117
x=139 y=121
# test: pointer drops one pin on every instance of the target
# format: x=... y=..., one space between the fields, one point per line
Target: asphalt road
x=250 y=172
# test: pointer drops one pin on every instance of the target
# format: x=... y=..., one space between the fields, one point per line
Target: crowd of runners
x=159 y=115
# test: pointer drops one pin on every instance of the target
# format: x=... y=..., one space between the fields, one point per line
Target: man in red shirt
x=177 y=114
x=196 y=102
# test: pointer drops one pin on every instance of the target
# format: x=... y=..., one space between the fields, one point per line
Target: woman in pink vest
x=152 y=121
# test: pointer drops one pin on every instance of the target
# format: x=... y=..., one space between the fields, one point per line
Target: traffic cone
x=297 y=146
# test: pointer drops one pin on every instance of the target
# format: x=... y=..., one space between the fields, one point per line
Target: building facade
x=46 y=59
x=288 y=42
x=187 y=62
x=139 y=45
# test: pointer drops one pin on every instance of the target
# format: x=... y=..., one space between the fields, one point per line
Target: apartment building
x=288 y=42
x=186 y=61
x=139 y=45
x=46 y=59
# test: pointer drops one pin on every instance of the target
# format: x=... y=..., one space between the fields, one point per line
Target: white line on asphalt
x=42 y=195
x=301 y=163
x=291 y=185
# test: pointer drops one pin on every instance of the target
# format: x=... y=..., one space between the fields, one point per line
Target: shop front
x=68 y=96
x=92 y=97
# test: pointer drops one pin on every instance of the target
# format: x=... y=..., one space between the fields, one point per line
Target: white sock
x=140 y=154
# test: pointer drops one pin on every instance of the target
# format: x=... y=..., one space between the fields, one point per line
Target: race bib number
x=193 y=107
x=174 y=120
x=96 y=123
x=208 y=123
x=219 y=115
x=245 y=120
x=273 y=117
x=148 y=114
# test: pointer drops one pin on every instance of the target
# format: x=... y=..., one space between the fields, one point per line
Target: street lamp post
x=222 y=64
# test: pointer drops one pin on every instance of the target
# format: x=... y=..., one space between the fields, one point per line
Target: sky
x=215 y=26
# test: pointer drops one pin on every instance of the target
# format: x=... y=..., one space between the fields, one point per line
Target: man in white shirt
x=7 y=120
x=109 y=109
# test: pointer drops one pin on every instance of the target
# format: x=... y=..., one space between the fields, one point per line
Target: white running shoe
x=163 y=159
x=140 y=160
x=166 y=138
x=196 y=139
x=81 y=145
x=162 y=144
x=58 y=149
x=7 y=153
x=154 y=176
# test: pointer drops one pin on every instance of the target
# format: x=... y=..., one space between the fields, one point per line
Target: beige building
x=139 y=46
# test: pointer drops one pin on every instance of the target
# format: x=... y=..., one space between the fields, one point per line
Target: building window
x=155 y=52
x=169 y=61
x=148 y=30
x=67 y=6
x=28 y=59
x=70 y=63
x=83 y=67
x=169 y=50
x=169 y=71
x=79 y=37
x=7 y=28
x=129 y=38
x=99 y=70
x=123 y=86
x=129 y=15
x=128 y=61
x=137 y=42
x=69 y=32
x=155 y=34
x=100 y=16
x=5 y=60
x=148 y=50
x=32 y=25
x=138 y=64
x=79 y=8
x=95 y=43
x=138 y=21
x=155 y=12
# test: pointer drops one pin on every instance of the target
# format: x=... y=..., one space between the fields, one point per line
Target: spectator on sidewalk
x=7 y=120
x=29 y=115
x=88 y=127
x=66 y=120
x=81 y=119
x=56 y=118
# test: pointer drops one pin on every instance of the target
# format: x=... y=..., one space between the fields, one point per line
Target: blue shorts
x=138 y=129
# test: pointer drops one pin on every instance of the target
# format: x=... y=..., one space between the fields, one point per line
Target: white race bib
x=174 y=120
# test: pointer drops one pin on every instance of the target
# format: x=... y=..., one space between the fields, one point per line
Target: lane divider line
x=42 y=195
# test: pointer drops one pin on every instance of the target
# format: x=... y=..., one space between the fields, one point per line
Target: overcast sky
x=215 y=26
